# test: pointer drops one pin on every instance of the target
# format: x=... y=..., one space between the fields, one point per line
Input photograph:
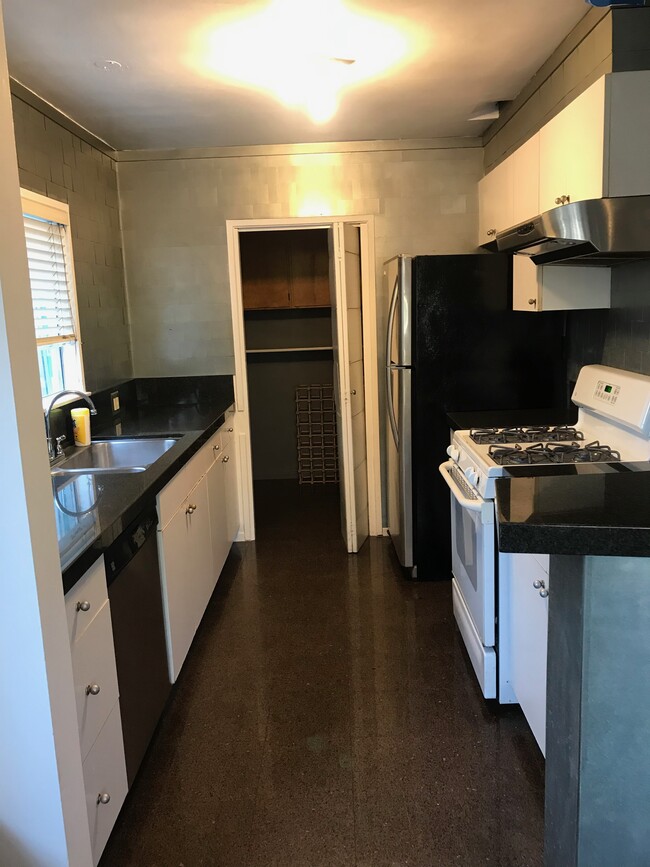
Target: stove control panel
x=617 y=395
x=607 y=391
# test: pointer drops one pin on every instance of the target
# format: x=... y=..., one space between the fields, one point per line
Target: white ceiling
x=471 y=52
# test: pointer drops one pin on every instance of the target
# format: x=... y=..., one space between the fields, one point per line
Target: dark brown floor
x=326 y=715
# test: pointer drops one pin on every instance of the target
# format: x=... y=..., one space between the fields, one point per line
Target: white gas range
x=613 y=428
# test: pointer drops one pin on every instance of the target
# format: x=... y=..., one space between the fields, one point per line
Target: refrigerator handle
x=389 y=378
x=391 y=320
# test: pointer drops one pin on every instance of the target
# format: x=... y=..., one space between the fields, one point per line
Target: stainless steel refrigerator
x=453 y=343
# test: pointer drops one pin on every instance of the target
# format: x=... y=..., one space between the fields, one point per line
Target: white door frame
x=370 y=359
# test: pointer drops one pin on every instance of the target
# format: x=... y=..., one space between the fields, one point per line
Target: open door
x=347 y=341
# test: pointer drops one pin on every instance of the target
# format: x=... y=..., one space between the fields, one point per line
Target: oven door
x=474 y=571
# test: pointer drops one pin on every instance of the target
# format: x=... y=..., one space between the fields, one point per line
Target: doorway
x=304 y=315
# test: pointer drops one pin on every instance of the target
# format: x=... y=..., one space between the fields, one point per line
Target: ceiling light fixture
x=108 y=65
x=305 y=53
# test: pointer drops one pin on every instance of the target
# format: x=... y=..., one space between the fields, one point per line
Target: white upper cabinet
x=494 y=202
x=572 y=151
x=525 y=181
x=599 y=145
x=536 y=288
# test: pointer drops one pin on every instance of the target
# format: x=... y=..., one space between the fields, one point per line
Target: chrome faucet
x=54 y=445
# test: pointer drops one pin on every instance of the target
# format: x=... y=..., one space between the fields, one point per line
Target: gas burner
x=593 y=452
x=563 y=433
x=485 y=436
x=506 y=454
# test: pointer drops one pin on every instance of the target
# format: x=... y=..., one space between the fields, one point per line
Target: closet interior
x=288 y=333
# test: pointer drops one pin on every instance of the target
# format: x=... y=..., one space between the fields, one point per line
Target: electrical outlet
x=115 y=401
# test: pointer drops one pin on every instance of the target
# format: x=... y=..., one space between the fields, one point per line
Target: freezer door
x=399 y=470
x=398 y=336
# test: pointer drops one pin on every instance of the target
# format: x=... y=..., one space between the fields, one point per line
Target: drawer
x=93 y=664
x=104 y=772
x=89 y=592
x=178 y=489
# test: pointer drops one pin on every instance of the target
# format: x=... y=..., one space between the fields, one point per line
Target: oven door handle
x=477 y=505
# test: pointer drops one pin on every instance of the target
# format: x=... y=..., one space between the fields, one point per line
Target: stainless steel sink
x=115 y=456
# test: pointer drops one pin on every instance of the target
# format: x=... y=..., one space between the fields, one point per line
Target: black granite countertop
x=585 y=509
x=511 y=418
x=92 y=510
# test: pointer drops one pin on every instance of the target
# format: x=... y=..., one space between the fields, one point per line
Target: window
x=54 y=299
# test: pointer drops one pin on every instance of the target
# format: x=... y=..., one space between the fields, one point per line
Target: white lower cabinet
x=216 y=479
x=105 y=782
x=185 y=551
x=528 y=587
x=97 y=696
x=194 y=539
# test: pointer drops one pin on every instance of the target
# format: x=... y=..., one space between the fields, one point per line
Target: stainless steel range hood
x=592 y=232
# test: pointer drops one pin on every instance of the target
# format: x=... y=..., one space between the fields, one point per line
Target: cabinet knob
x=354 y=391
x=92 y=689
x=83 y=606
x=537 y=584
x=491 y=232
x=532 y=301
x=103 y=798
x=190 y=509
x=563 y=200
x=215 y=448
x=543 y=593
x=226 y=458
x=558 y=200
x=230 y=429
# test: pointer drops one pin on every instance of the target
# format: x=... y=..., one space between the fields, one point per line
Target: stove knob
x=454 y=453
x=472 y=475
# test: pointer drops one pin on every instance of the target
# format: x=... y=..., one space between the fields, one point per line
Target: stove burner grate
x=553 y=453
x=539 y=433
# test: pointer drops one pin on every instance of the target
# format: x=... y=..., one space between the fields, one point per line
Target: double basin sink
x=115 y=456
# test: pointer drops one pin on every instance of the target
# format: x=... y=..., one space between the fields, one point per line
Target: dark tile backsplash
x=619 y=337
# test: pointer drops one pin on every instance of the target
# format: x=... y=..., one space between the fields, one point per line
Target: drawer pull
x=83 y=606
x=537 y=584
x=543 y=593
x=92 y=689
x=103 y=798
x=226 y=458
x=190 y=510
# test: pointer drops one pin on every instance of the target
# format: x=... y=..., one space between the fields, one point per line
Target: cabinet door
x=529 y=638
x=264 y=269
x=571 y=150
x=232 y=493
x=309 y=268
x=536 y=288
x=216 y=481
x=526 y=293
x=525 y=181
x=185 y=551
x=105 y=782
x=495 y=202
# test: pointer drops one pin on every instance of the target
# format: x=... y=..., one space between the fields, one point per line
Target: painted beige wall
x=174 y=213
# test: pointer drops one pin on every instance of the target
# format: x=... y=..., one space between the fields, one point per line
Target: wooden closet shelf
x=290 y=349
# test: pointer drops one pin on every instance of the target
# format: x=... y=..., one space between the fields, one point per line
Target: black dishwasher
x=134 y=591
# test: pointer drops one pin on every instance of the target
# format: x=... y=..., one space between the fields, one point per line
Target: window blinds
x=48 y=277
